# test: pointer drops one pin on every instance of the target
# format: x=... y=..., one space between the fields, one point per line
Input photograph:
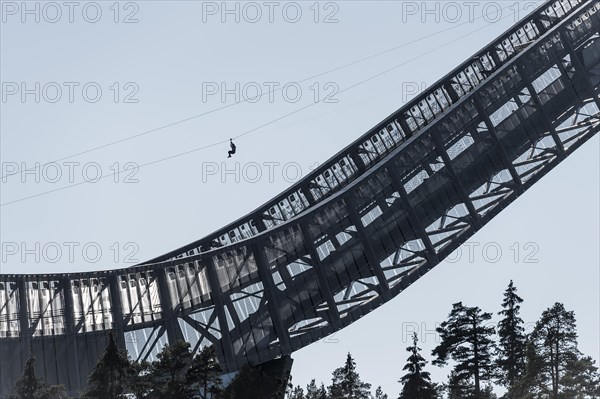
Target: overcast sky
x=87 y=75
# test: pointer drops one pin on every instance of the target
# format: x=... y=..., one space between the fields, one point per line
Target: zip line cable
x=112 y=143
x=249 y=132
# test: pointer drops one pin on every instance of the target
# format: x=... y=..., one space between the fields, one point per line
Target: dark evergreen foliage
x=346 y=383
x=555 y=367
x=416 y=382
x=29 y=386
x=581 y=380
x=544 y=365
x=251 y=383
x=467 y=340
x=169 y=372
x=512 y=340
x=205 y=372
x=111 y=376
x=379 y=394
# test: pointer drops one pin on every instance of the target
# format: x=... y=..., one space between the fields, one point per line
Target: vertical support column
x=216 y=295
x=358 y=161
x=117 y=310
x=68 y=311
x=169 y=315
x=308 y=194
x=71 y=347
x=270 y=293
x=23 y=314
x=540 y=25
x=454 y=97
x=260 y=223
x=407 y=130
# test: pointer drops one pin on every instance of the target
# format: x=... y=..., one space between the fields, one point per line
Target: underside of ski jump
x=348 y=237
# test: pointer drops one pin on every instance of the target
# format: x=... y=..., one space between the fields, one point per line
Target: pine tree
x=467 y=340
x=581 y=379
x=297 y=393
x=488 y=392
x=379 y=394
x=322 y=394
x=531 y=385
x=169 y=372
x=314 y=392
x=29 y=386
x=512 y=345
x=111 y=376
x=289 y=387
x=346 y=383
x=206 y=371
x=555 y=341
x=555 y=368
x=416 y=382
x=141 y=382
x=459 y=386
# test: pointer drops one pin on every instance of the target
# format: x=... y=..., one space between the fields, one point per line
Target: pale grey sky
x=157 y=71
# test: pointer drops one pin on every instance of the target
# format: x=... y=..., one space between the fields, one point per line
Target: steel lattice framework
x=348 y=237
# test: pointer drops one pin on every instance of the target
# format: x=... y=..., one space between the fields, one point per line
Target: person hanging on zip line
x=232 y=151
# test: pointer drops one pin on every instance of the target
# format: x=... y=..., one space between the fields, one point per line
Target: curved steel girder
x=487 y=60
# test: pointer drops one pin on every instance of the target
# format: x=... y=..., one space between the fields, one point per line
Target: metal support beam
x=72 y=363
x=333 y=313
x=368 y=248
x=270 y=293
x=441 y=150
x=219 y=302
x=169 y=315
x=498 y=144
x=117 y=310
x=578 y=64
x=540 y=107
x=430 y=253
x=23 y=314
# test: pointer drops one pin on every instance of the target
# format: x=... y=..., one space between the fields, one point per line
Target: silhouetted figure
x=232 y=151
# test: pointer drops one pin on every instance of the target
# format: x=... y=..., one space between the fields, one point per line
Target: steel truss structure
x=347 y=238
